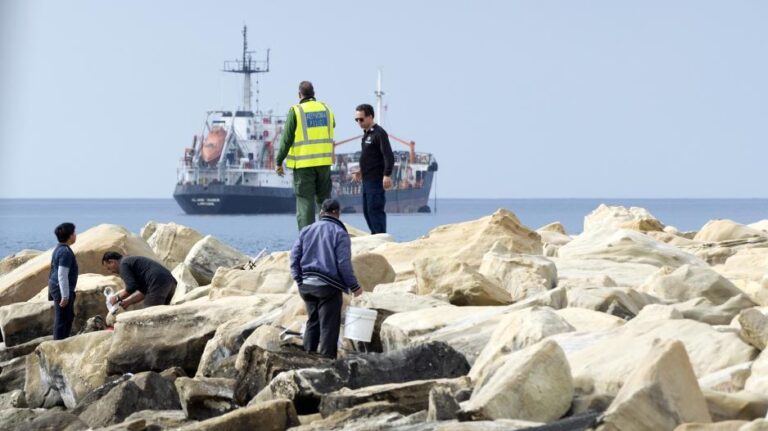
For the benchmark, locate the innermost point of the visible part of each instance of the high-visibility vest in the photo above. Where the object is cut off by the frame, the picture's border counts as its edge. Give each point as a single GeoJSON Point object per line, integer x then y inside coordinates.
{"type": "Point", "coordinates": [313, 139]}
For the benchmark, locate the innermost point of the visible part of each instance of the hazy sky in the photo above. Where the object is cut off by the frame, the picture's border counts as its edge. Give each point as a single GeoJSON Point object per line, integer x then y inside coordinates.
{"type": "Point", "coordinates": [516, 99]}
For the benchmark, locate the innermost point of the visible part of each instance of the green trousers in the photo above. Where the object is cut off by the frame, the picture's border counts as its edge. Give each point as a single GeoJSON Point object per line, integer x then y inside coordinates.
{"type": "Point", "coordinates": [311, 186]}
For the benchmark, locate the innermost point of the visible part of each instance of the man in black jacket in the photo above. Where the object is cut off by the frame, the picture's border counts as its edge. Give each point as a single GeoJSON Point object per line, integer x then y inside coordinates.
{"type": "Point", "coordinates": [145, 280]}
{"type": "Point", "coordinates": [376, 163]}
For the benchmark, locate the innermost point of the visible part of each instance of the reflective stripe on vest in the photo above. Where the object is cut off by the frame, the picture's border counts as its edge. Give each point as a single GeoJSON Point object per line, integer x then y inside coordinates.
{"type": "Point", "coordinates": [313, 139]}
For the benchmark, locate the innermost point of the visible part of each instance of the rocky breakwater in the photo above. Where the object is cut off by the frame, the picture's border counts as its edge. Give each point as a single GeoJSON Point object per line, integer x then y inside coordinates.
{"type": "Point", "coordinates": [482, 325]}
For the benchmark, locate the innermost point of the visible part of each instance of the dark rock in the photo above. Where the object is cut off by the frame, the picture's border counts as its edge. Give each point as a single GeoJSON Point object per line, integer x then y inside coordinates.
{"type": "Point", "coordinates": [433, 360]}
{"type": "Point", "coordinates": [369, 416]}
{"type": "Point", "coordinates": [411, 396]}
{"type": "Point", "coordinates": [37, 390]}
{"type": "Point", "coordinates": [578, 422]}
{"type": "Point", "coordinates": [13, 399]}
{"type": "Point", "coordinates": [8, 353]}
{"type": "Point", "coordinates": [162, 419]}
{"type": "Point", "coordinates": [143, 391]}
{"type": "Point", "coordinates": [99, 393]}
{"type": "Point", "coordinates": [277, 415]}
{"type": "Point", "coordinates": [258, 366]}
{"type": "Point", "coordinates": [95, 323]}
{"type": "Point", "coordinates": [206, 397]}
{"type": "Point", "coordinates": [28, 420]}
{"type": "Point", "coordinates": [13, 375]}
{"type": "Point", "coordinates": [171, 374]}
{"type": "Point", "coordinates": [442, 404]}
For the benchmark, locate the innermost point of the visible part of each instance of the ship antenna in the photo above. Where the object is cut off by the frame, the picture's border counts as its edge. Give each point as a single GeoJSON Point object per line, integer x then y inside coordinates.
{"type": "Point", "coordinates": [379, 96]}
{"type": "Point", "coordinates": [248, 66]}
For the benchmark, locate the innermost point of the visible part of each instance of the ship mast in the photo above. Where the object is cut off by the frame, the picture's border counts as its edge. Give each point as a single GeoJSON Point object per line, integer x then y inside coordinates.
{"type": "Point", "coordinates": [248, 66]}
{"type": "Point", "coordinates": [379, 98]}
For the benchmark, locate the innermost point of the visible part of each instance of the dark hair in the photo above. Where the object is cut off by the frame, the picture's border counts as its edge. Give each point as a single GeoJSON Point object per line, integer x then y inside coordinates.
{"type": "Point", "coordinates": [306, 89]}
{"type": "Point", "coordinates": [330, 206]}
{"type": "Point", "coordinates": [365, 109]}
{"type": "Point", "coordinates": [64, 231]}
{"type": "Point", "coordinates": [111, 255]}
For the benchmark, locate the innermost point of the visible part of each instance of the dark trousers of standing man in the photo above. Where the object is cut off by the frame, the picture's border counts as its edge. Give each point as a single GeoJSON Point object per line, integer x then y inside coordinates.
{"type": "Point", "coordinates": [311, 186]}
{"type": "Point", "coordinates": [374, 201]}
{"type": "Point", "coordinates": [323, 305]}
{"type": "Point", "coordinates": [63, 318]}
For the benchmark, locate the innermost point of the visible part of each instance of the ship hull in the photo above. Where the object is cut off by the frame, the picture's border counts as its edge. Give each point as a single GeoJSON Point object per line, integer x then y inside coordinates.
{"type": "Point", "coordinates": [239, 199]}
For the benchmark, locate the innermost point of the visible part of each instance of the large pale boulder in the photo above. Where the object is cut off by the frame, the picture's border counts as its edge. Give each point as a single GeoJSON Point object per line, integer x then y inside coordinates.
{"type": "Point", "coordinates": [619, 217]}
{"type": "Point", "coordinates": [660, 394]}
{"type": "Point", "coordinates": [623, 302]}
{"type": "Point", "coordinates": [583, 319]}
{"type": "Point", "coordinates": [726, 230]}
{"type": "Point", "coordinates": [760, 225]}
{"type": "Point", "coordinates": [625, 246]}
{"type": "Point", "coordinates": [516, 331]}
{"type": "Point", "coordinates": [75, 366]}
{"type": "Point", "coordinates": [372, 269]}
{"type": "Point", "coordinates": [9, 263]}
{"type": "Point", "coordinates": [556, 227]}
{"type": "Point", "coordinates": [466, 329]}
{"type": "Point", "coordinates": [532, 384]}
{"type": "Point", "coordinates": [208, 254]}
{"type": "Point", "coordinates": [171, 242]}
{"type": "Point", "coordinates": [366, 243]}
{"type": "Point", "coordinates": [748, 263]}
{"type": "Point", "coordinates": [688, 282]}
{"type": "Point", "coordinates": [161, 337]}
{"type": "Point", "coordinates": [26, 281]}
{"type": "Point", "coordinates": [601, 272]}
{"type": "Point", "coordinates": [758, 378]}
{"type": "Point", "coordinates": [459, 281]}
{"type": "Point", "coordinates": [602, 366]}
{"type": "Point", "coordinates": [704, 310]}
{"type": "Point", "coordinates": [467, 241]}
{"type": "Point", "coordinates": [754, 327]}
{"type": "Point", "coordinates": [522, 276]}
{"type": "Point", "coordinates": [185, 282]}
{"type": "Point", "coordinates": [241, 282]}
{"type": "Point", "coordinates": [743, 405]}
{"type": "Point", "coordinates": [731, 379]}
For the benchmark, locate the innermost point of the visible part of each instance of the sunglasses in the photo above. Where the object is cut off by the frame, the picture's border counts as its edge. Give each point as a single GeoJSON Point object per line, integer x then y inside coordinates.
{"type": "Point", "coordinates": [359, 120]}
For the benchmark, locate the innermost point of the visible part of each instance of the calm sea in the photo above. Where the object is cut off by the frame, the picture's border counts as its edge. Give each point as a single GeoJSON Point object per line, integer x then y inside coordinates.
{"type": "Point", "coordinates": [29, 223]}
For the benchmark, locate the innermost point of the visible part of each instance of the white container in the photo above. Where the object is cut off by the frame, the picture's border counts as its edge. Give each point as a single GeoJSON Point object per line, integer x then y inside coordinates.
{"type": "Point", "coordinates": [109, 293]}
{"type": "Point", "coordinates": [358, 324]}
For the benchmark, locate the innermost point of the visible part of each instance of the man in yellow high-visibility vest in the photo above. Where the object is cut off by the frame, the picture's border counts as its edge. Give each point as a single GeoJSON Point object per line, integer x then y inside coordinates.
{"type": "Point", "coordinates": [307, 148]}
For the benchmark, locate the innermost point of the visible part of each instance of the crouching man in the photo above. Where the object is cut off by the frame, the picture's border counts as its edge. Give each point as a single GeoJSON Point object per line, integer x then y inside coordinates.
{"type": "Point", "coordinates": [321, 265]}
{"type": "Point", "coordinates": [145, 280]}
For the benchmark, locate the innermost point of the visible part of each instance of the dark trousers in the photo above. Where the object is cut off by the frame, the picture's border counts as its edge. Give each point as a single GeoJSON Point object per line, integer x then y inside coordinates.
{"type": "Point", "coordinates": [374, 200]}
{"type": "Point", "coordinates": [63, 318]}
{"type": "Point", "coordinates": [311, 186]}
{"type": "Point", "coordinates": [323, 305]}
{"type": "Point", "coordinates": [160, 295]}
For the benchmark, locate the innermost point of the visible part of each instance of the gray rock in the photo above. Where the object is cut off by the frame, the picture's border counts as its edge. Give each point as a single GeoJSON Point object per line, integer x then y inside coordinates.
{"type": "Point", "coordinates": [9, 352]}
{"type": "Point", "coordinates": [442, 404]}
{"type": "Point", "coordinates": [143, 391]}
{"type": "Point", "coordinates": [370, 416]}
{"type": "Point", "coordinates": [205, 397]}
{"type": "Point", "coordinates": [277, 415]}
{"type": "Point", "coordinates": [305, 387]}
{"type": "Point", "coordinates": [25, 321]}
{"type": "Point", "coordinates": [12, 399]}
{"type": "Point", "coordinates": [18, 419]}
{"type": "Point", "coordinates": [13, 374]}
{"type": "Point", "coordinates": [164, 419]}
{"type": "Point", "coordinates": [257, 366]}
{"type": "Point", "coordinates": [411, 396]}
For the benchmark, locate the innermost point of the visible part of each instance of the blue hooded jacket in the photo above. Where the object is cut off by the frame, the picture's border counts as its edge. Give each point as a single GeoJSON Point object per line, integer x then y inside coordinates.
{"type": "Point", "coordinates": [324, 251]}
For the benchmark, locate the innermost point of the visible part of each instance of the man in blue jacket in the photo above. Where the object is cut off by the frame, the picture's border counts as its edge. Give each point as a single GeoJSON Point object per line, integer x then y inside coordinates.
{"type": "Point", "coordinates": [62, 281]}
{"type": "Point", "coordinates": [321, 265]}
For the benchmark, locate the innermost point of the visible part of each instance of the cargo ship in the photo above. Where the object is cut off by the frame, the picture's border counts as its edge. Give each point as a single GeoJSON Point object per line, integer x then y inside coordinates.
{"type": "Point", "coordinates": [230, 166]}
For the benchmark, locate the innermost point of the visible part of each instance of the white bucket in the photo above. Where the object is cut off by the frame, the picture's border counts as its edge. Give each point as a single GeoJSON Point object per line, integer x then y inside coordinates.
{"type": "Point", "coordinates": [358, 324]}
